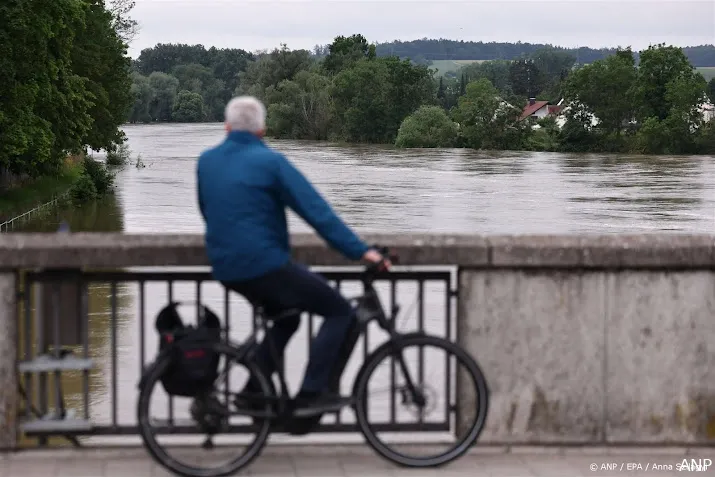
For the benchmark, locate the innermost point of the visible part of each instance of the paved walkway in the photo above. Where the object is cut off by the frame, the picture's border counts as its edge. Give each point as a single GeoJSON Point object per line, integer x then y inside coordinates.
{"type": "Point", "coordinates": [359, 461]}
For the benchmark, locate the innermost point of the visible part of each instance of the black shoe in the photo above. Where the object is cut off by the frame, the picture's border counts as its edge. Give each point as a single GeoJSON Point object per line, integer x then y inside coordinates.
{"type": "Point", "coordinates": [308, 404]}
{"type": "Point", "coordinates": [308, 410]}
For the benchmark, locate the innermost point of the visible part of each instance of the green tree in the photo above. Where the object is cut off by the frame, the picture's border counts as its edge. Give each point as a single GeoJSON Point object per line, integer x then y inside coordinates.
{"type": "Point", "coordinates": [409, 87]}
{"type": "Point", "coordinates": [669, 92]}
{"type": "Point", "coordinates": [188, 107]}
{"type": "Point", "coordinates": [577, 135]}
{"type": "Point", "coordinates": [711, 90]}
{"type": "Point", "coordinates": [361, 96]}
{"type": "Point", "coordinates": [373, 97]}
{"type": "Point", "coordinates": [99, 57]}
{"type": "Point", "coordinates": [525, 78]}
{"type": "Point", "coordinates": [126, 27]}
{"type": "Point", "coordinates": [165, 89]}
{"type": "Point", "coordinates": [344, 52]}
{"type": "Point", "coordinates": [226, 64]}
{"type": "Point", "coordinates": [605, 89]}
{"type": "Point", "coordinates": [200, 79]}
{"type": "Point", "coordinates": [429, 126]}
{"type": "Point", "coordinates": [44, 106]}
{"type": "Point", "coordinates": [143, 94]}
{"type": "Point", "coordinates": [301, 108]}
{"type": "Point", "coordinates": [486, 121]}
{"type": "Point", "coordinates": [659, 66]}
{"type": "Point", "coordinates": [496, 71]}
{"type": "Point", "coordinates": [269, 70]}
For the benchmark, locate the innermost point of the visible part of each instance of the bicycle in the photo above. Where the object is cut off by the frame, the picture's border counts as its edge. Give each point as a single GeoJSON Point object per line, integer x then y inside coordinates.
{"type": "Point", "coordinates": [270, 407]}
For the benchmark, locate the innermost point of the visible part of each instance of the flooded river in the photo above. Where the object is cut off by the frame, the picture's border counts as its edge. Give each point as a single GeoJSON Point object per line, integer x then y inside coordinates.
{"type": "Point", "coordinates": [376, 189]}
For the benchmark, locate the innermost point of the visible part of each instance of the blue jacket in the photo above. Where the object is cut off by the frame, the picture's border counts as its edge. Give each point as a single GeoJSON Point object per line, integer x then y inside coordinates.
{"type": "Point", "coordinates": [243, 189]}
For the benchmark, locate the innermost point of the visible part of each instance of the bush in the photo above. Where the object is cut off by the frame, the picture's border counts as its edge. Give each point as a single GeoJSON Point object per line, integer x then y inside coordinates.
{"type": "Point", "coordinates": [429, 126]}
{"type": "Point", "coordinates": [83, 190]}
{"type": "Point", "coordinates": [119, 156]}
{"type": "Point", "coordinates": [94, 182]}
{"type": "Point", "coordinates": [98, 173]}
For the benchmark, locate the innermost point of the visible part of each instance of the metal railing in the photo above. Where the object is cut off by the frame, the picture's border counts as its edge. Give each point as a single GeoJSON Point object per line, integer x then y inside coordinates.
{"type": "Point", "coordinates": [10, 224]}
{"type": "Point", "coordinates": [86, 337]}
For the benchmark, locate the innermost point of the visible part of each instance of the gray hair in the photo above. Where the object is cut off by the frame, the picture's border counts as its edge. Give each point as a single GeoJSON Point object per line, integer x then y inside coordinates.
{"type": "Point", "coordinates": [245, 113]}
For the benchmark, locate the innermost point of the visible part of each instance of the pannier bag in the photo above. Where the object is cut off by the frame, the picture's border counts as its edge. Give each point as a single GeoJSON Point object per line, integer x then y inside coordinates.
{"type": "Point", "coordinates": [194, 362]}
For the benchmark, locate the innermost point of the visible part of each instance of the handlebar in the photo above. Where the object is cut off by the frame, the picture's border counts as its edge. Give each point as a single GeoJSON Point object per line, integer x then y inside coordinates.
{"type": "Point", "coordinates": [380, 266]}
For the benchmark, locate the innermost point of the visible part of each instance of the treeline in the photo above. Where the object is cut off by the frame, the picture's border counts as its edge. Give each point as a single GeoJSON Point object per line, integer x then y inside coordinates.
{"type": "Point", "coordinates": [352, 94]}
{"type": "Point", "coordinates": [65, 79]}
{"type": "Point", "coordinates": [188, 83]}
{"type": "Point", "coordinates": [185, 83]}
{"type": "Point", "coordinates": [441, 49]}
{"type": "Point", "coordinates": [611, 105]}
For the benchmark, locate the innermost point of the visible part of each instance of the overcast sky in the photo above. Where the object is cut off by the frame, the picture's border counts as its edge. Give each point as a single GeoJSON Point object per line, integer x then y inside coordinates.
{"type": "Point", "coordinates": [264, 24]}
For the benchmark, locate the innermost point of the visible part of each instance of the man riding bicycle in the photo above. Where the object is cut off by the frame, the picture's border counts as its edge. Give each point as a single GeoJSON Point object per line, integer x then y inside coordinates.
{"type": "Point", "coordinates": [244, 187]}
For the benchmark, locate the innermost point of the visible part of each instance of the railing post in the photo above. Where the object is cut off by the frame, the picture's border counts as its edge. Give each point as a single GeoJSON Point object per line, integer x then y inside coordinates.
{"type": "Point", "coordinates": [8, 360]}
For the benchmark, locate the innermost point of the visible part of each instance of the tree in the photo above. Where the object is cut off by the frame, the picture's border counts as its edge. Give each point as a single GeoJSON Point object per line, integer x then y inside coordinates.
{"type": "Point", "coordinates": [200, 79]}
{"type": "Point", "coordinates": [525, 78]}
{"type": "Point", "coordinates": [409, 87]}
{"type": "Point", "coordinates": [143, 94]}
{"type": "Point", "coordinates": [488, 122]}
{"type": "Point", "coordinates": [226, 64]}
{"type": "Point", "coordinates": [100, 57]}
{"type": "Point", "coordinates": [429, 126]}
{"type": "Point", "coordinates": [188, 107]}
{"type": "Point", "coordinates": [361, 96]}
{"type": "Point", "coordinates": [126, 27]}
{"type": "Point", "coordinates": [555, 66]}
{"type": "Point", "coordinates": [711, 90]}
{"type": "Point", "coordinates": [165, 89]}
{"type": "Point", "coordinates": [346, 51]}
{"type": "Point", "coordinates": [301, 108]}
{"type": "Point", "coordinates": [496, 71]}
{"type": "Point", "coordinates": [669, 92]}
{"type": "Point", "coordinates": [44, 106]}
{"type": "Point", "coordinates": [270, 69]}
{"type": "Point", "coordinates": [373, 97]}
{"type": "Point", "coordinates": [605, 89]}
{"type": "Point", "coordinates": [659, 66]}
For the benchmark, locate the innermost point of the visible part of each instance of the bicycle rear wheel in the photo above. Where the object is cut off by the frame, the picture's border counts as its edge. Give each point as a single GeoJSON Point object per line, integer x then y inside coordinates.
{"type": "Point", "coordinates": [460, 432]}
{"type": "Point", "coordinates": [206, 415]}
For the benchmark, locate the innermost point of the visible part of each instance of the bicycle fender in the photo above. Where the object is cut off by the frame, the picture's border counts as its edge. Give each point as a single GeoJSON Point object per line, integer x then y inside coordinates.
{"type": "Point", "coordinates": [380, 349]}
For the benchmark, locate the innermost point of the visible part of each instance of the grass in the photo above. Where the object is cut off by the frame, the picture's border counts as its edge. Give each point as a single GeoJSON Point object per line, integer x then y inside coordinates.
{"type": "Point", "coordinates": [24, 197]}
{"type": "Point", "coordinates": [708, 72]}
{"type": "Point", "coordinates": [446, 66]}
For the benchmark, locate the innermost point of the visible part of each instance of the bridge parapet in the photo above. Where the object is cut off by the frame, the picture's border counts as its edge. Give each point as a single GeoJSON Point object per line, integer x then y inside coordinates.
{"type": "Point", "coordinates": [583, 339]}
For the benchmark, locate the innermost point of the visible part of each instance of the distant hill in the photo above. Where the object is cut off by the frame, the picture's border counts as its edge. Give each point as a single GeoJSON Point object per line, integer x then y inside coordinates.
{"type": "Point", "coordinates": [434, 51]}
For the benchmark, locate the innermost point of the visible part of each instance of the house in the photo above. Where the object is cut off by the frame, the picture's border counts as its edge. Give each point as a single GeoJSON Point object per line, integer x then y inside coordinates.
{"type": "Point", "coordinates": [708, 111]}
{"type": "Point", "coordinates": [540, 109]}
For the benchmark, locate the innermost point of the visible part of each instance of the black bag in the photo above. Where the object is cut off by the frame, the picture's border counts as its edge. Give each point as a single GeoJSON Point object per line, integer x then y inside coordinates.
{"type": "Point", "coordinates": [194, 362]}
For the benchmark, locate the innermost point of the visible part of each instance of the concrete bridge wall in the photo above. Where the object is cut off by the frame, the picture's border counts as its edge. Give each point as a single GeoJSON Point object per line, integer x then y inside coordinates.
{"type": "Point", "coordinates": [583, 339]}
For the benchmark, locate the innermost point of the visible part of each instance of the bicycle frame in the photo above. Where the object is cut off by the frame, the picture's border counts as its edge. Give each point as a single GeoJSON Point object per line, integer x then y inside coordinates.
{"type": "Point", "coordinates": [368, 307]}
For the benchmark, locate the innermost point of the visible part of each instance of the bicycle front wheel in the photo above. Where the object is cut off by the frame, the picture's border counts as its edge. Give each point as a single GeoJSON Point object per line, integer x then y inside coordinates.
{"type": "Point", "coordinates": [439, 381]}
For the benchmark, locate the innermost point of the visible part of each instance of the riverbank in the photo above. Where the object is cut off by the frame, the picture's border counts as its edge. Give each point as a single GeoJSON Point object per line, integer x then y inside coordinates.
{"type": "Point", "coordinates": [29, 194]}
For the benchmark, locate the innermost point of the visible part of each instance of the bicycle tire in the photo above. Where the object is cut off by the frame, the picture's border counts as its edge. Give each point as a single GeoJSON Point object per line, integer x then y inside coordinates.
{"type": "Point", "coordinates": [457, 450]}
{"type": "Point", "coordinates": [160, 456]}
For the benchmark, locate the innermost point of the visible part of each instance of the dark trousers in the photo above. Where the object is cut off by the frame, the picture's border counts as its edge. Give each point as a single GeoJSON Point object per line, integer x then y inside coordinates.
{"type": "Point", "coordinates": [294, 286]}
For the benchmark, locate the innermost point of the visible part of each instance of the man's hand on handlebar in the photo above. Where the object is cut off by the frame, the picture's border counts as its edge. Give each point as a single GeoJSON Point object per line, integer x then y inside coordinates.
{"type": "Point", "coordinates": [377, 260]}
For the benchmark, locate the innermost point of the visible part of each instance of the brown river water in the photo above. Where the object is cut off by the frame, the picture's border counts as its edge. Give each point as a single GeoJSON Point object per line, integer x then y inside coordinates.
{"type": "Point", "coordinates": [376, 189]}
